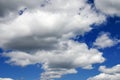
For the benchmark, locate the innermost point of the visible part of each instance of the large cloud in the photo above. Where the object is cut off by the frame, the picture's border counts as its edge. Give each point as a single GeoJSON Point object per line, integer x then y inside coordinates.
{"type": "Point", "coordinates": [109, 7]}
{"type": "Point", "coordinates": [42, 33]}
{"type": "Point", "coordinates": [69, 56]}
{"type": "Point", "coordinates": [44, 28]}
{"type": "Point", "coordinates": [108, 73]}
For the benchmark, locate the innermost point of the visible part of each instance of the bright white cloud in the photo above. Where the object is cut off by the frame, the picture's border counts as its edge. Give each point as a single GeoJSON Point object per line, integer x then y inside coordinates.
{"type": "Point", "coordinates": [65, 60]}
{"type": "Point", "coordinates": [108, 73]}
{"type": "Point", "coordinates": [104, 41]}
{"type": "Point", "coordinates": [109, 7]}
{"type": "Point", "coordinates": [6, 79]}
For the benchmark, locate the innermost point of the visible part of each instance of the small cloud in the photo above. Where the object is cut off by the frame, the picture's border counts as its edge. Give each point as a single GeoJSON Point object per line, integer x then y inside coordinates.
{"type": "Point", "coordinates": [6, 79]}
{"type": "Point", "coordinates": [104, 41]}
{"type": "Point", "coordinates": [107, 73]}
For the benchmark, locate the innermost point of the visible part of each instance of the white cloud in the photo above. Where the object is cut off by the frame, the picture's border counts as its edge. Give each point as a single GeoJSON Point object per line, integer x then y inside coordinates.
{"type": "Point", "coordinates": [109, 7]}
{"type": "Point", "coordinates": [108, 73]}
{"type": "Point", "coordinates": [69, 56]}
{"type": "Point", "coordinates": [104, 41]}
{"type": "Point", "coordinates": [6, 79]}
{"type": "Point", "coordinates": [104, 76]}
{"type": "Point", "coordinates": [115, 69]}
{"type": "Point", "coordinates": [44, 33]}
{"type": "Point", "coordinates": [43, 28]}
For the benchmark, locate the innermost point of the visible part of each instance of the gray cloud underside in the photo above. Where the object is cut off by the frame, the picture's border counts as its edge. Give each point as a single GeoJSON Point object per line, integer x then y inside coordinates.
{"type": "Point", "coordinates": [69, 56]}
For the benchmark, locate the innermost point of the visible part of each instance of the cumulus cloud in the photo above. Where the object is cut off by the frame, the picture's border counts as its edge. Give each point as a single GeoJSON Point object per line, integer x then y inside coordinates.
{"type": "Point", "coordinates": [104, 41]}
{"type": "Point", "coordinates": [115, 69]}
{"type": "Point", "coordinates": [108, 73]}
{"type": "Point", "coordinates": [65, 60]}
{"type": "Point", "coordinates": [6, 79]}
{"type": "Point", "coordinates": [109, 7]}
{"type": "Point", "coordinates": [41, 35]}
{"type": "Point", "coordinates": [44, 28]}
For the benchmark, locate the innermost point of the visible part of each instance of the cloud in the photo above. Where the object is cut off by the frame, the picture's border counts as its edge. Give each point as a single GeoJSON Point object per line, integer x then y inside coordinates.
{"type": "Point", "coordinates": [69, 56]}
{"type": "Point", "coordinates": [42, 35]}
{"type": "Point", "coordinates": [7, 7]}
{"type": "Point", "coordinates": [104, 41]}
{"type": "Point", "coordinates": [6, 79]}
{"type": "Point", "coordinates": [115, 69]}
{"type": "Point", "coordinates": [109, 7]}
{"type": "Point", "coordinates": [108, 73]}
{"type": "Point", "coordinates": [9, 11]}
{"type": "Point", "coordinates": [43, 28]}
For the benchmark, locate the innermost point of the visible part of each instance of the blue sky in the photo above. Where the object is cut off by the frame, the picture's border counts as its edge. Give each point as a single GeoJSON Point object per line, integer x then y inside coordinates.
{"type": "Point", "coordinates": [38, 44]}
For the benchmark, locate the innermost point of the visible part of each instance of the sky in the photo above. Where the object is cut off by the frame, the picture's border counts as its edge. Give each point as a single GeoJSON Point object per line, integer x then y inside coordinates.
{"type": "Point", "coordinates": [60, 40]}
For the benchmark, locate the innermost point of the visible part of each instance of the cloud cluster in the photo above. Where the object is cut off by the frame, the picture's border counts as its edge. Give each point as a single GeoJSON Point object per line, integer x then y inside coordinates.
{"type": "Point", "coordinates": [6, 79]}
{"type": "Point", "coordinates": [109, 7]}
{"type": "Point", "coordinates": [108, 73]}
{"type": "Point", "coordinates": [42, 35]}
{"type": "Point", "coordinates": [65, 60]}
{"type": "Point", "coordinates": [104, 41]}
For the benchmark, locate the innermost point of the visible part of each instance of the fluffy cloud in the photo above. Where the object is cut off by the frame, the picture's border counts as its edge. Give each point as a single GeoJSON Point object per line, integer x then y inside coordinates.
{"type": "Point", "coordinates": [43, 28]}
{"type": "Point", "coordinates": [108, 73]}
{"type": "Point", "coordinates": [104, 41]}
{"type": "Point", "coordinates": [109, 7]}
{"type": "Point", "coordinates": [65, 60]}
{"type": "Point", "coordinates": [115, 69]}
{"type": "Point", "coordinates": [41, 35]}
{"type": "Point", "coordinates": [6, 79]}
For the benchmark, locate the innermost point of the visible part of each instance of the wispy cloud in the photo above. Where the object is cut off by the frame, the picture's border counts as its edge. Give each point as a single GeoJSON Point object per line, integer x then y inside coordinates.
{"type": "Point", "coordinates": [6, 79]}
